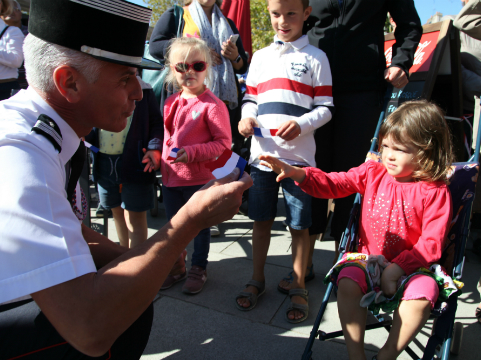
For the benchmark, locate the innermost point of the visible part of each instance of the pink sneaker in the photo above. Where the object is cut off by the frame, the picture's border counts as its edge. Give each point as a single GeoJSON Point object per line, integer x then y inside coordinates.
{"type": "Point", "coordinates": [195, 280]}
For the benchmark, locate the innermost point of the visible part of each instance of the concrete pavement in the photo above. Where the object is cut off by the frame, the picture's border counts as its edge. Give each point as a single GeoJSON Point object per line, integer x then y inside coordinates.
{"type": "Point", "coordinates": [209, 326]}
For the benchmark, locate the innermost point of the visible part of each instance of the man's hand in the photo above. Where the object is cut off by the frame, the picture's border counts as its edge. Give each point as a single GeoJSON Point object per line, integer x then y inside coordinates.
{"type": "Point", "coordinates": [151, 160]}
{"type": "Point", "coordinates": [289, 130]}
{"type": "Point", "coordinates": [246, 126]}
{"type": "Point", "coordinates": [396, 76]}
{"type": "Point", "coordinates": [389, 279]}
{"type": "Point", "coordinates": [182, 157]}
{"type": "Point", "coordinates": [217, 201]}
{"type": "Point", "coordinates": [284, 170]}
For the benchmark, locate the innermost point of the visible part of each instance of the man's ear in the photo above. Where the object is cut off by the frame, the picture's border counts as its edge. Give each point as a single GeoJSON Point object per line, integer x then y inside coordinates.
{"type": "Point", "coordinates": [66, 80]}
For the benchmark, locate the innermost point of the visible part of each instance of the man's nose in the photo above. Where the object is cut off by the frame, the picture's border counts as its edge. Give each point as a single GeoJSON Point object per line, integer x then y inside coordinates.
{"type": "Point", "coordinates": [137, 93]}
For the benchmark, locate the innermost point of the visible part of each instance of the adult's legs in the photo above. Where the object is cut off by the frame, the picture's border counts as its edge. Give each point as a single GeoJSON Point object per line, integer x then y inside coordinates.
{"type": "Point", "coordinates": [24, 329]}
{"type": "Point", "coordinates": [355, 121]}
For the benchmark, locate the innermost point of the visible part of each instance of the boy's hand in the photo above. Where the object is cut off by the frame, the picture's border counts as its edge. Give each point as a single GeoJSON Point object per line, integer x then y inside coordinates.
{"type": "Point", "coordinates": [389, 279]}
{"type": "Point", "coordinates": [289, 130]}
{"type": "Point", "coordinates": [246, 126]}
{"type": "Point", "coordinates": [151, 159]}
{"type": "Point", "coordinates": [284, 170]}
{"type": "Point", "coordinates": [181, 157]}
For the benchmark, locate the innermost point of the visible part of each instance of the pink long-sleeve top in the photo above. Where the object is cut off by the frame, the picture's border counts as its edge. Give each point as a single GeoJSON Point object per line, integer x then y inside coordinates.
{"type": "Point", "coordinates": [407, 222]}
{"type": "Point", "coordinates": [199, 125]}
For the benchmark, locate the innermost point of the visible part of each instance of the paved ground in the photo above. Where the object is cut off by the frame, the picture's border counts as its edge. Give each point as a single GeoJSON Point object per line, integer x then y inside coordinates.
{"type": "Point", "coordinates": [209, 326]}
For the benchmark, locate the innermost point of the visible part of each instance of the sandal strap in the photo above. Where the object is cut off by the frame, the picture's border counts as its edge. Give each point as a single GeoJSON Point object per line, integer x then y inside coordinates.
{"type": "Point", "coordinates": [303, 293]}
{"type": "Point", "coordinates": [248, 295]}
{"type": "Point", "coordinates": [302, 307]}
{"type": "Point", "coordinates": [258, 284]}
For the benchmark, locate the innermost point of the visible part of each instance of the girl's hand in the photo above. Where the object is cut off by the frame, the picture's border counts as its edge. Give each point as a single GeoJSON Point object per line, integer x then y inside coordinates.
{"type": "Point", "coordinates": [216, 59]}
{"type": "Point", "coordinates": [229, 50]}
{"type": "Point", "coordinates": [246, 126]}
{"type": "Point", "coordinates": [284, 170]}
{"type": "Point", "coordinates": [181, 157]}
{"type": "Point", "coordinates": [289, 130]}
{"type": "Point", "coordinates": [151, 159]}
{"type": "Point", "coordinates": [389, 278]}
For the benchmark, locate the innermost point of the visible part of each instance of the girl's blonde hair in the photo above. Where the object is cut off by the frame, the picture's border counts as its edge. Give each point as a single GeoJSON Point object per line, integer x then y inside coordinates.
{"type": "Point", "coordinates": [7, 7]}
{"type": "Point", "coordinates": [423, 125]}
{"type": "Point", "coordinates": [184, 46]}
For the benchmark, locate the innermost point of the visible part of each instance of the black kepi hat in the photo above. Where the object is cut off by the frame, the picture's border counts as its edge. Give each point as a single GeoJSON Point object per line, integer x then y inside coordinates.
{"type": "Point", "coordinates": [109, 30]}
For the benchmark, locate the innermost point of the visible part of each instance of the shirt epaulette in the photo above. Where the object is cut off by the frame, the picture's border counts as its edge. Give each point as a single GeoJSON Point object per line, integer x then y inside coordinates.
{"type": "Point", "coordinates": [48, 128]}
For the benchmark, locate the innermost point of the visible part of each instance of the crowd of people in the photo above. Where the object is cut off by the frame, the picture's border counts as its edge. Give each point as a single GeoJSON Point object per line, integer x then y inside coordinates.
{"type": "Point", "coordinates": [305, 98]}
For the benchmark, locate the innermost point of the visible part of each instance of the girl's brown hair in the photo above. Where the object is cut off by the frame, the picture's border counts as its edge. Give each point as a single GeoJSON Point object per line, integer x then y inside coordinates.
{"type": "Point", "coordinates": [184, 46]}
{"type": "Point", "coordinates": [422, 124]}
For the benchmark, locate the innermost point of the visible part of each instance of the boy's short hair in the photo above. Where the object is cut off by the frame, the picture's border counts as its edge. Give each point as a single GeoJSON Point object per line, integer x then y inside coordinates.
{"type": "Point", "coordinates": [305, 3]}
{"type": "Point", "coordinates": [423, 125]}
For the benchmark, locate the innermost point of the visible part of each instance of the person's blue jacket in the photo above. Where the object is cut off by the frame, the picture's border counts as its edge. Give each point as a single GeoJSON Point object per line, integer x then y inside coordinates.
{"type": "Point", "coordinates": [146, 131]}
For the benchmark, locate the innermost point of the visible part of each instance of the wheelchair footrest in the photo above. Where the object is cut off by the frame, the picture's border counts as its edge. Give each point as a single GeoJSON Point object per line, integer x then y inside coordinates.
{"type": "Point", "coordinates": [326, 336]}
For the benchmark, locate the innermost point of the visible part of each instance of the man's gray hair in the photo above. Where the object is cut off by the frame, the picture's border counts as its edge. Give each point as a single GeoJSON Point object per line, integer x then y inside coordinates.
{"type": "Point", "coordinates": [42, 58]}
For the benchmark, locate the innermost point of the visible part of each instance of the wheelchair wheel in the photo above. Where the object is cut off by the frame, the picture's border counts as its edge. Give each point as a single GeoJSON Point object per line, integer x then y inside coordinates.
{"type": "Point", "coordinates": [457, 338]}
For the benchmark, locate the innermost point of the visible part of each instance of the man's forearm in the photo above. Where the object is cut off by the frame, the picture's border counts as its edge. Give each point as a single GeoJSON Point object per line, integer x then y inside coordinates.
{"type": "Point", "coordinates": [91, 311]}
{"type": "Point", "coordinates": [117, 295]}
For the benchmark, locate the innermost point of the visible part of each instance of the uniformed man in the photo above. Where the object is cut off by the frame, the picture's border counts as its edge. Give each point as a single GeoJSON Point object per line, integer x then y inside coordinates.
{"type": "Point", "coordinates": [81, 59]}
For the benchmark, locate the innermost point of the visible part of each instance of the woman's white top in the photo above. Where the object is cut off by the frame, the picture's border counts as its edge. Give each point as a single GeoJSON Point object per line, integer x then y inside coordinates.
{"type": "Point", "coordinates": [11, 51]}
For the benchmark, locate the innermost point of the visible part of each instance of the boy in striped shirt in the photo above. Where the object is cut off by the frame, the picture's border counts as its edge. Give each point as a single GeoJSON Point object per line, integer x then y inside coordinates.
{"type": "Point", "coordinates": [289, 94]}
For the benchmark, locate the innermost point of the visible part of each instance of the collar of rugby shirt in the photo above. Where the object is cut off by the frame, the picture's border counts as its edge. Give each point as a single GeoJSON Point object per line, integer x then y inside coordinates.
{"type": "Point", "coordinates": [297, 45]}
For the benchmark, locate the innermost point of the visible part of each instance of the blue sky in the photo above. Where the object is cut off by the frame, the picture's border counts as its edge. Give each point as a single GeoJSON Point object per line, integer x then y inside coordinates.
{"type": "Point", "coordinates": [425, 8]}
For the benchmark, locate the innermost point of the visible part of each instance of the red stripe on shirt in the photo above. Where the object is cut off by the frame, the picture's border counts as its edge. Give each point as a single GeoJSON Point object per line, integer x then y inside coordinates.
{"type": "Point", "coordinates": [251, 90]}
{"type": "Point", "coordinates": [285, 84]}
{"type": "Point", "coordinates": [323, 90]}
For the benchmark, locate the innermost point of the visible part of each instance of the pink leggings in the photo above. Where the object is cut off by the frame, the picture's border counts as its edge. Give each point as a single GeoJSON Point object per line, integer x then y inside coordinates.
{"type": "Point", "coordinates": [418, 287]}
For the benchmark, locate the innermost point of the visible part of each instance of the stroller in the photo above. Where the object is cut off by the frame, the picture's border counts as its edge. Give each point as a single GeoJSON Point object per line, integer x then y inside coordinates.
{"type": "Point", "coordinates": [446, 335]}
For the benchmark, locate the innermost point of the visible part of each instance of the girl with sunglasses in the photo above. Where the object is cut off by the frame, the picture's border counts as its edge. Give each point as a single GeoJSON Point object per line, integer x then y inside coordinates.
{"type": "Point", "coordinates": [197, 130]}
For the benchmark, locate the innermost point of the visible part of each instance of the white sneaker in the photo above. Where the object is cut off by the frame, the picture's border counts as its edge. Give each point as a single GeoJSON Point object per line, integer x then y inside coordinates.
{"type": "Point", "coordinates": [214, 231]}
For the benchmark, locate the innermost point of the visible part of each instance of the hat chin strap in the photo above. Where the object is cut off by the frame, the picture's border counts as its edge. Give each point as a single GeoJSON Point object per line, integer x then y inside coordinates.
{"type": "Point", "coordinates": [110, 55]}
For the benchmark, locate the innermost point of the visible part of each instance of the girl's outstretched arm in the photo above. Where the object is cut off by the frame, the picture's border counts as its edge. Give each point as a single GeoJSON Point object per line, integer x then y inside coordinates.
{"type": "Point", "coordinates": [284, 170]}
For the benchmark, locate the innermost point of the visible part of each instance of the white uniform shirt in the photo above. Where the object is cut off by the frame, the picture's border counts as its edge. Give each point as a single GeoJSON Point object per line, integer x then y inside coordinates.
{"type": "Point", "coordinates": [11, 51]}
{"type": "Point", "coordinates": [288, 82]}
{"type": "Point", "coordinates": [41, 242]}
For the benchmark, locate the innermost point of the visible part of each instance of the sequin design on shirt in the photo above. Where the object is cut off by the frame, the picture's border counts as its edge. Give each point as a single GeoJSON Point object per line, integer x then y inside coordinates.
{"type": "Point", "coordinates": [389, 219]}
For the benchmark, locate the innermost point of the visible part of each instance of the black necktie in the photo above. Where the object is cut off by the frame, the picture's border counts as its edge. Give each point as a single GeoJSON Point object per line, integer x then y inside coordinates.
{"type": "Point", "coordinates": [76, 165]}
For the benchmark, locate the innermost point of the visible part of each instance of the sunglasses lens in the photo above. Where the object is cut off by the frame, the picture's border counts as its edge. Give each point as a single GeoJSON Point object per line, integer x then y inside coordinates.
{"type": "Point", "coordinates": [199, 66]}
{"type": "Point", "coordinates": [181, 67]}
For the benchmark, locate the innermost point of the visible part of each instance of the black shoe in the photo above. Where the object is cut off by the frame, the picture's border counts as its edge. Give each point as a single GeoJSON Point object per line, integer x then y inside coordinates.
{"type": "Point", "coordinates": [101, 212]}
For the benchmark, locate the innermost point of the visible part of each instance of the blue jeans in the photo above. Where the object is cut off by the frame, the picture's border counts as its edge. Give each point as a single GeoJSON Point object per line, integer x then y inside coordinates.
{"type": "Point", "coordinates": [176, 197]}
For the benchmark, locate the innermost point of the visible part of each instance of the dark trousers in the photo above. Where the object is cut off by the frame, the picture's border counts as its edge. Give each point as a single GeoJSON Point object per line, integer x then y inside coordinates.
{"type": "Point", "coordinates": [341, 145]}
{"type": "Point", "coordinates": [26, 334]}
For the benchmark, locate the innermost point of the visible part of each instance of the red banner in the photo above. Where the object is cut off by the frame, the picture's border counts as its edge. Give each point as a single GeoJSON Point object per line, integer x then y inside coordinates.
{"type": "Point", "coordinates": [239, 12]}
{"type": "Point", "coordinates": [424, 52]}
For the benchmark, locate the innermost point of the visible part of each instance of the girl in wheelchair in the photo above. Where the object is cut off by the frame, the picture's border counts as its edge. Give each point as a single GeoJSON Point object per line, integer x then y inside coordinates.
{"type": "Point", "coordinates": [405, 216]}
